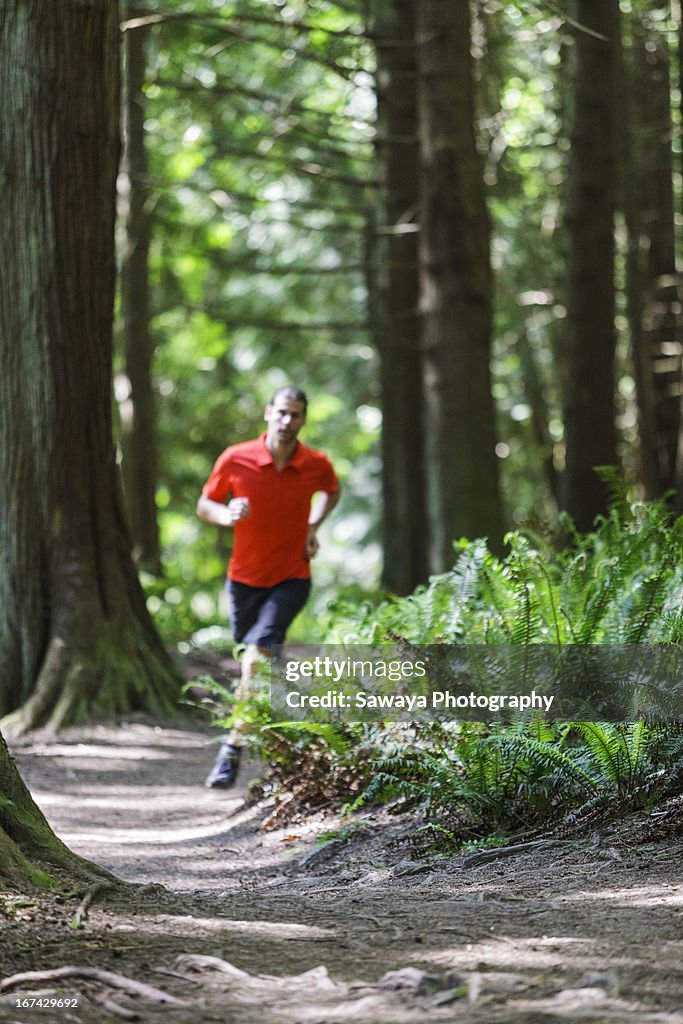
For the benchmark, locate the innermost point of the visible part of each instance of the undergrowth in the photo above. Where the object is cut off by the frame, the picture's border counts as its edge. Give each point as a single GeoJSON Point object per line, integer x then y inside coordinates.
{"type": "Point", "coordinates": [620, 584]}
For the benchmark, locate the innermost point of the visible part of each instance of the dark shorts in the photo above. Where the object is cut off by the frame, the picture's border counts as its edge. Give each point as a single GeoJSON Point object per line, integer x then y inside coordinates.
{"type": "Point", "coordinates": [262, 615]}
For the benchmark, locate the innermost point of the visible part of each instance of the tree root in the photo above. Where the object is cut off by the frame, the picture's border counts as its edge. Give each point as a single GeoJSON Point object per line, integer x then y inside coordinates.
{"type": "Point", "coordinates": [82, 913]}
{"type": "Point", "coordinates": [109, 978]}
{"type": "Point", "coordinates": [477, 857]}
{"type": "Point", "coordinates": [116, 1010]}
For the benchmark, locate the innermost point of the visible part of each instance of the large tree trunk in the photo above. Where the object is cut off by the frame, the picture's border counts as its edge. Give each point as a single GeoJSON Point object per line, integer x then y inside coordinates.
{"type": "Point", "coordinates": [75, 636]}
{"type": "Point", "coordinates": [28, 846]}
{"type": "Point", "coordinates": [137, 407]}
{"type": "Point", "coordinates": [398, 325]}
{"type": "Point", "coordinates": [589, 409]}
{"type": "Point", "coordinates": [456, 290]}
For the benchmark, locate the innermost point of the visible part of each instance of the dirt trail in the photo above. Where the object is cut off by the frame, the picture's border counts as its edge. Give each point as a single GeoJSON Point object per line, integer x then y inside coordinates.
{"type": "Point", "coordinates": [306, 931]}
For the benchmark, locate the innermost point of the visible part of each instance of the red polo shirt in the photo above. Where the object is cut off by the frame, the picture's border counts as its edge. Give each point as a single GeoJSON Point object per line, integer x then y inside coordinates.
{"type": "Point", "coordinates": [269, 546]}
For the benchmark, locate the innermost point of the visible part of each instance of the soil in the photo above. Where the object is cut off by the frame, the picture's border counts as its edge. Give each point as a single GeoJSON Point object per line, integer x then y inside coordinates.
{"type": "Point", "coordinates": [327, 920]}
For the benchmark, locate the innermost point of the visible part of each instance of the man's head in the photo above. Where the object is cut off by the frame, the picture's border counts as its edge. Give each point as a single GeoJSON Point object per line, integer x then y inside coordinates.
{"type": "Point", "coordinates": [289, 391]}
{"type": "Point", "coordinates": [285, 415]}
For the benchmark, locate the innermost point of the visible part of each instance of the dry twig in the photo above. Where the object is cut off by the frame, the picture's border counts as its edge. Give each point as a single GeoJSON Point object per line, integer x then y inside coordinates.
{"type": "Point", "coordinates": [82, 912]}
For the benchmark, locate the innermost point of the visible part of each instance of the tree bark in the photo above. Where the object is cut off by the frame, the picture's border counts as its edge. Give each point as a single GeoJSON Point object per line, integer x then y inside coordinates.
{"type": "Point", "coordinates": [397, 328]}
{"type": "Point", "coordinates": [631, 183]}
{"type": "Point", "coordinates": [679, 455]}
{"type": "Point", "coordinates": [534, 392]}
{"type": "Point", "coordinates": [589, 408]}
{"type": "Point", "coordinates": [28, 845]}
{"type": "Point", "coordinates": [456, 290]}
{"type": "Point", "coordinates": [651, 269]}
{"type": "Point", "coordinates": [137, 409]}
{"type": "Point", "coordinates": [75, 635]}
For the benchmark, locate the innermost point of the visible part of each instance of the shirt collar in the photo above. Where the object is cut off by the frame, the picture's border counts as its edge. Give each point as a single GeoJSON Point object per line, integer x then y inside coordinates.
{"type": "Point", "coordinates": [264, 457]}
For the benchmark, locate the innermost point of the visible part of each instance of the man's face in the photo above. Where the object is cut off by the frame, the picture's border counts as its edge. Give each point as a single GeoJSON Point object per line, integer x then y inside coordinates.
{"type": "Point", "coordinates": [285, 418]}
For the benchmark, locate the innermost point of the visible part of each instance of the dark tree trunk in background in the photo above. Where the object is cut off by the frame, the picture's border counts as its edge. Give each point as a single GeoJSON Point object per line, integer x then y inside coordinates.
{"type": "Point", "coordinates": [589, 408]}
{"type": "Point", "coordinates": [679, 168]}
{"type": "Point", "coordinates": [137, 407]}
{"type": "Point", "coordinates": [540, 414]}
{"type": "Point", "coordinates": [631, 184]}
{"type": "Point", "coordinates": [456, 290]}
{"type": "Point", "coordinates": [75, 636]}
{"type": "Point", "coordinates": [397, 322]}
{"type": "Point", "coordinates": [652, 277]}
{"type": "Point", "coordinates": [661, 293]}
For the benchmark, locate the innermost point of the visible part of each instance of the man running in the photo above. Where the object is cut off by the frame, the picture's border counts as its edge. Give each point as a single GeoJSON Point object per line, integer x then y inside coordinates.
{"type": "Point", "coordinates": [269, 482]}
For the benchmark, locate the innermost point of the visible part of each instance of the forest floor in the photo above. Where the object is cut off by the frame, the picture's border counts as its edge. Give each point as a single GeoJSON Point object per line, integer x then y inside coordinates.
{"type": "Point", "coordinates": [327, 921]}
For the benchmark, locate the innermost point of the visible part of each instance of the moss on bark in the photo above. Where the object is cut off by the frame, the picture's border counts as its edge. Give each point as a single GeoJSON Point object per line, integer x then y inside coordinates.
{"type": "Point", "coordinates": [29, 849]}
{"type": "Point", "coordinates": [75, 636]}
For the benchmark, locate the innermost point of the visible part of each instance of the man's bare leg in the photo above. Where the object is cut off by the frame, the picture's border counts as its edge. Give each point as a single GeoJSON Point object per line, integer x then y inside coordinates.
{"type": "Point", "coordinates": [253, 656]}
{"type": "Point", "coordinates": [226, 767]}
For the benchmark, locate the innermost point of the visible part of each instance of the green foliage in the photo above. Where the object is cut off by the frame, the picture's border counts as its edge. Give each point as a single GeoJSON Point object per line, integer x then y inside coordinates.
{"type": "Point", "coordinates": [480, 779]}
{"type": "Point", "coordinates": [311, 764]}
{"type": "Point", "coordinates": [42, 880]}
{"type": "Point", "coordinates": [623, 756]}
{"type": "Point", "coordinates": [185, 613]}
{"type": "Point", "coordinates": [260, 133]}
{"type": "Point", "coordinates": [259, 139]}
{"type": "Point", "coordinates": [620, 584]}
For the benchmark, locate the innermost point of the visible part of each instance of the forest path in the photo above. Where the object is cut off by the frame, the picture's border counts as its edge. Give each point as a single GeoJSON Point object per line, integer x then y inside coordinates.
{"type": "Point", "coordinates": [571, 931]}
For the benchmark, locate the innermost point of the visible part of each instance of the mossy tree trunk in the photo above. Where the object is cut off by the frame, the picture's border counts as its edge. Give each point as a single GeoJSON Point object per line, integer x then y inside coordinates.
{"type": "Point", "coordinates": [137, 409]}
{"type": "Point", "coordinates": [29, 849]}
{"type": "Point", "coordinates": [75, 636]}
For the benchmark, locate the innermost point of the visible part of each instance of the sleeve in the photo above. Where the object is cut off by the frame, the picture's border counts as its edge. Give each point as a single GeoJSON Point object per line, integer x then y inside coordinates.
{"type": "Point", "coordinates": [219, 484]}
{"type": "Point", "coordinates": [328, 480]}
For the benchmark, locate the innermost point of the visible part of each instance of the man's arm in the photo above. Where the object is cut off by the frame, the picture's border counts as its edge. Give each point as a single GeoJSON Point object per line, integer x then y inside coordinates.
{"type": "Point", "coordinates": [218, 514]}
{"type": "Point", "coordinates": [323, 503]}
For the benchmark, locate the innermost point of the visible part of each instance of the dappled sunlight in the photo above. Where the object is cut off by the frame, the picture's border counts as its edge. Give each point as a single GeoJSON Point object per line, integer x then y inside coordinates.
{"type": "Point", "coordinates": [160, 834]}
{"type": "Point", "coordinates": [510, 953]}
{"type": "Point", "coordinates": [638, 896]}
{"type": "Point", "coordinates": [551, 953]}
{"type": "Point", "coordinates": [458, 226]}
{"type": "Point", "coordinates": [278, 930]}
{"type": "Point", "coordinates": [324, 893]}
{"type": "Point", "coordinates": [182, 800]}
{"type": "Point", "coordinates": [109, 753]}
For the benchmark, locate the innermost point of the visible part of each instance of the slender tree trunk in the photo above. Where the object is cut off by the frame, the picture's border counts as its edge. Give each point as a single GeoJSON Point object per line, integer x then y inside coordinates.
{"type": "Point", "coordinates": [540, 414]}
{"type": "Point", "coordinates": [679, 455]}
{"type": "Point", "coordinates": [137, 410]}
{"type": "Point", "coordinates": [398, 324]}
{"type": "Point", "coordinates": [75, 636]}
{"type": "Point", "coordinates": [456, 290]}
{"type": "Point", "coordinates": [631, 184]}
{"type": "Point", "coordinates": [652, 277]}
{"type": "Point", "coordinates": [661, 299]}
{"type": "Point", "coordinates": [589, 409]}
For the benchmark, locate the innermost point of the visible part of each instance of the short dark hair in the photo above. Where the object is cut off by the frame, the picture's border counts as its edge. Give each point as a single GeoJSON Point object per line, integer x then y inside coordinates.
{"type": "Point", "coordinates": [295, 394]}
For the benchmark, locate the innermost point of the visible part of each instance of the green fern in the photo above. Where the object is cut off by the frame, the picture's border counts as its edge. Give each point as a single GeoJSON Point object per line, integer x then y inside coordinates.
{"type": "Point", "coordinates": [619, 751]}
{"type": "Point", "coordinates": [620, 584]}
